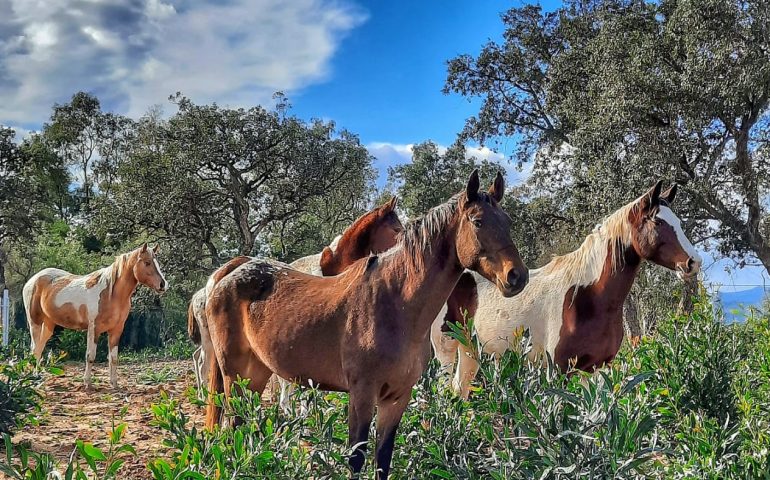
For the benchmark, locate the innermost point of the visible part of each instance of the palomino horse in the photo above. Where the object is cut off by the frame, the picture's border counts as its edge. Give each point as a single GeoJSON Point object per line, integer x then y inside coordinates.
{"type": "Point", "coordinates": [98, 302]}
{"type": "Point", "coordinates": [372, 232]}
{"type": "Point", "coordinates": [573, 306]}
{"type": "Point", "coordinates": [366, 330]}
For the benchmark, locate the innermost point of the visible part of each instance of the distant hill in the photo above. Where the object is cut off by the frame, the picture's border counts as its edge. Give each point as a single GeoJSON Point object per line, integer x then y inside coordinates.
{"type": "Point", "coordinates": [735, 304]}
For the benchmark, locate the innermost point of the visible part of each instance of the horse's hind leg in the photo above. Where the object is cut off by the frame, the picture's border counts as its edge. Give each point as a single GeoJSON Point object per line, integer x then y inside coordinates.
{"type": "Point", "coordinates": [444, 346]}
{"type": "Point", "coordinates": [40, 335]}
{"type": "Point", "coordinates": [197, 368]}
{"type": "Point", "coordinates": [246, 366]}
{"type": "Point", "coordinates": [467, 366]}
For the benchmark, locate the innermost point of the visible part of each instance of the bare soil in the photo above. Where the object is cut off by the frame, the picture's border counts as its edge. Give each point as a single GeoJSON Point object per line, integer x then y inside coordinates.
{"type": "Point", "coordinates": [71, 413]}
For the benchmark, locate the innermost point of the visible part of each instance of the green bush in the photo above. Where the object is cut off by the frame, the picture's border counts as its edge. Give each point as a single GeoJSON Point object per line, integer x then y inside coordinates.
{"type": "Point", "coordinates": [693, 401]}
{"type": "Point", "coordinates": [20, 400]}
{"type": "Point", "coordinates": [87, 462]}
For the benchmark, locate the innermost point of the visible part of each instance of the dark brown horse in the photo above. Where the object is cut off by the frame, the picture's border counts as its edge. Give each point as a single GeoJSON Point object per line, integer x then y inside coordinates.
{"type": "Point", "coordinates": [365, 331]}
{"type": "Point", "coordinates": [373, 232]}
{"type": "Point", "coordinates": [573, 306]}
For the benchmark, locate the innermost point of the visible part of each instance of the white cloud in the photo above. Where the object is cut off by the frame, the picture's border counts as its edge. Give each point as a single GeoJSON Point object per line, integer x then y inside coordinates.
{"type": "Point", "coordinates": [135, 53]}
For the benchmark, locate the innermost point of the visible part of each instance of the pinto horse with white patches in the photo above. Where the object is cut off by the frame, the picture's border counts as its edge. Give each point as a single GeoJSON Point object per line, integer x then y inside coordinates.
{"type": "Point", "coordinates": [98, 302]}
{"type": "Point", "coordinates": [365, 331]}
{"type": "Point", "coordinates": [372, 232]}
{"type": "Point", "coordinates": [573, 306]}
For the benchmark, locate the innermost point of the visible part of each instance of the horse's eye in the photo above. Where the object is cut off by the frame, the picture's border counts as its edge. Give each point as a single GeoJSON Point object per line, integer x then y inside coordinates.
{"type": "Point", "coordinates": [476, 222]}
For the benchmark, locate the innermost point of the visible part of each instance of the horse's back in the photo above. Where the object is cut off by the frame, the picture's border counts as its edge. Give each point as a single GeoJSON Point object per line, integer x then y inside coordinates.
{"type": "Point", "coordinates": [279, 311]}
{"type": "Point", "coordinates": [310, 264]}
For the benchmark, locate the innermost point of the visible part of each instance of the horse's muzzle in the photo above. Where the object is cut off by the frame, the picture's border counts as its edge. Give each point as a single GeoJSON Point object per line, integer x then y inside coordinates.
{"type": "Point", "coordinates": [514, 283]}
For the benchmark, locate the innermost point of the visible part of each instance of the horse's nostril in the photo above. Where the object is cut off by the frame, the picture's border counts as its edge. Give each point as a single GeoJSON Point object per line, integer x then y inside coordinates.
{"type": "Point", "coordinates": [513, 277]}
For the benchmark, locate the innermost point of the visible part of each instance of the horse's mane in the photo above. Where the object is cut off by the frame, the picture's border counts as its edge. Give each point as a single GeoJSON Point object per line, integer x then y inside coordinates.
{"type": "Point", "coordinates": [584, 266]}
{"type": "Point", "coordinates": [118, 267]}
{"type": "Point", "coordinates": [417, 237]}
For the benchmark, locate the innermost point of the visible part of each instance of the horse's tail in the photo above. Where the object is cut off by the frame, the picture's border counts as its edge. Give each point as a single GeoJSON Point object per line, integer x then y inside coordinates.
{"type": "Point", "coordinates": [27, 293]}
{"type": "Point", "coordinates": [193, 329]}
{"type": "Point", "coordinates": [216, 385]}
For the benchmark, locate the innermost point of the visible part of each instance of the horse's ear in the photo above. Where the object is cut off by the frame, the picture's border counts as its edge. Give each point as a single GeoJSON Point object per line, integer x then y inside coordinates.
{"type": "Point", "coordinates": [651, 200]}
{"type": "Point", "coordinates": [144, 247]}
{"type": "Point", "coordinates": [669, 195]}
{"type": "Point", "coordinates": [497, 189]}
{"type": "Point", "coordinates": [391, 205]}
{"type": "Point", "coordinates": [472, 189]}
{"type": "Point", "coordinates": [326, 258]}
{"type": "Point", "coordinates": [156, 248]}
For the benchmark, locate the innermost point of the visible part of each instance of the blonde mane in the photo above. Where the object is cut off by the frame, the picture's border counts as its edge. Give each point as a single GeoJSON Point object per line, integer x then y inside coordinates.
{"type": "Point", "coordinates": [117, 268]}
{"type": "Point", "coordinates": [584, 266]}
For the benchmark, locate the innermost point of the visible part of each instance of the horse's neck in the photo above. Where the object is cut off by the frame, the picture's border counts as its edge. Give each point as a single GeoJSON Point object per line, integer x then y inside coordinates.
{"type": "Point", "coordinates": [125, 283]}
{"type": "Point", "coordinates": [614, 284]}
{"type": "Point", "coordinates": [354, 245]}
{"type": "Point", "coordinates": [426, 289]}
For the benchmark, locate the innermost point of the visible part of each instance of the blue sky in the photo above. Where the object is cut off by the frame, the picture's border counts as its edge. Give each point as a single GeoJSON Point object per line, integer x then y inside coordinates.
{"type": "Point", "coordinates": [374, 67]}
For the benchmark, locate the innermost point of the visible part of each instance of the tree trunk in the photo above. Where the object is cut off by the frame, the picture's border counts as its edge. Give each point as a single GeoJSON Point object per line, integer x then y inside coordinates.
{"type": "Point", "coordinates": [689, 291]}
{"type": "Point", "coordinates": [3, 261]}
{"type": "Point", "coordinates": [631, 318]}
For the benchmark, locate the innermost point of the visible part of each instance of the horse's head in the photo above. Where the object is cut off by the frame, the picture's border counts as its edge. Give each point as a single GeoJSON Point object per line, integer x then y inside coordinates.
{"type": "Point", "coordinates": [657, 235]}
{"type": "Point", "coordinates": [484, 240]}
{"type": "Point", "coordinates": [374, 232]}
{"type": "Point", "coordinates": [387, 227]}
{"type": "Point", "coordinates": [147, 271]}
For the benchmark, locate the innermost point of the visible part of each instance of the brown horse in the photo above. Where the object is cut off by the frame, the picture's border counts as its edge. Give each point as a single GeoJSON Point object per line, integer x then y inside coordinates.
{"type": "Point", "coordinates": [373, 232]}
{"type": "Point", "coordinates": [573, 306]}
{"type": "Point", "coordinates": [98, 302]}
{"type": "Point", "coordinates": [365, 331]}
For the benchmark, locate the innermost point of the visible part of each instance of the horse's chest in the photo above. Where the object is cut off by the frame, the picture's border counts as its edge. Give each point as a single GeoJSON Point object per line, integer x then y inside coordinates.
{"type": "Point", "coordinates": [591, 331]}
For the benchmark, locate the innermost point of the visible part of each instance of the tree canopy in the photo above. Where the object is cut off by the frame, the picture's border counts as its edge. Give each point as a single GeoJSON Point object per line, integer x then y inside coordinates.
{"type": "Point", "coordinates": [608, 96]}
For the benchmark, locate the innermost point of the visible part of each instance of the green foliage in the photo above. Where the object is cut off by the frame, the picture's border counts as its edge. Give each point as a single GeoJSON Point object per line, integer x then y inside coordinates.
{"type": "Point", "coordinates": [691, 402]}
{"type": "Point", "coordinates": [159, 376]}
{"type": "Point", "coordinates": [20, 378]}
{"type": "Point", "coordinates": [87, 462]}
{"type": "Point", "coordinates": [432, 176]}
{"type": "Point", "coordinates": [606, 96]}
{"type": "Point", "coordinates": [266, 445]}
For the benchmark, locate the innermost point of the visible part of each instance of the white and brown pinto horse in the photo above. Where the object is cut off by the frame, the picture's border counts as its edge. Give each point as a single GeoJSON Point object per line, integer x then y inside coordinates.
{"type": "Point", "coordinates": [373, 232]}
{"type": "Point", "coordinates": [98, 302]}
{"type": "Point", "coordinates": [573, 306]}
{"type": "Point", "coordinates": [367, 330]}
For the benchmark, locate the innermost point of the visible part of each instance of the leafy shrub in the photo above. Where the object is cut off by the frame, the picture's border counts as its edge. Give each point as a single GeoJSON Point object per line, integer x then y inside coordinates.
{"type": "Point", "coordinates": [20, 400]}
{"type": "Point", "coordinates": [87, 461]}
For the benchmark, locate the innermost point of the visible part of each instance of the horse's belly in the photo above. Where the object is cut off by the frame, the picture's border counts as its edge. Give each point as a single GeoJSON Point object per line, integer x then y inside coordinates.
{"type": "Point", "coordinates": [73, 317]}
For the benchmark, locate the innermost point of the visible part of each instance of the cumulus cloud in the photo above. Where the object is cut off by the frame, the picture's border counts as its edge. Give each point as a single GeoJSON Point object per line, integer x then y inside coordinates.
{"type": "Point", "coordinates": [391, 154]}
{"type": "Point", "coordinates": [134, 53]}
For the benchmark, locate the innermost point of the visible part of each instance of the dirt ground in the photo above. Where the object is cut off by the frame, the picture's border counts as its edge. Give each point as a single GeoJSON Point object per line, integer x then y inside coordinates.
{"type": "Point", "coordinates": [72, 413]}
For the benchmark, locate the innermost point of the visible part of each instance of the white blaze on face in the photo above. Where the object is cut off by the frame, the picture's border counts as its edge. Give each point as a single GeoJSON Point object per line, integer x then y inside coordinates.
{"type": "Point", "coordinates": [157, 267]}
{"type": "Point", "coordinates": [668, 216]}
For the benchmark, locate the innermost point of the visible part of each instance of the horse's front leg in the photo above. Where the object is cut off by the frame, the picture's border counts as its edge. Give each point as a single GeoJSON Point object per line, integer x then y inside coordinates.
{"type": "Point", "coordinates": [90, 353]}
{"type": "Point", "coordinates": [360, 413]}
{"type": "Point", "coordinates": [113, 338]}
{"type": "Point", "coordinates": [388, 417]}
